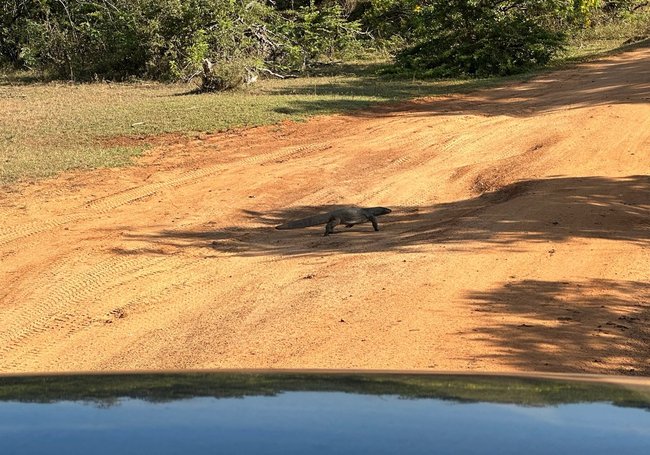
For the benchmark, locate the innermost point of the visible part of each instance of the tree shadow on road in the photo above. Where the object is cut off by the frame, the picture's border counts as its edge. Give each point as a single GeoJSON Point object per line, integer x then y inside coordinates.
{"type": "Point", "coordinates": [568, 326]}
{"type": "Point", "coordinates": [611, 80]}
{"type": "Point", "coordinates": [544, 210]}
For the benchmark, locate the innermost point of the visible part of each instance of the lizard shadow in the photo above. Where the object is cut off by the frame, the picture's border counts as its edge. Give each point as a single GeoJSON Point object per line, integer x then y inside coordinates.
{"type": "Point", "coordinates": [513, 216]}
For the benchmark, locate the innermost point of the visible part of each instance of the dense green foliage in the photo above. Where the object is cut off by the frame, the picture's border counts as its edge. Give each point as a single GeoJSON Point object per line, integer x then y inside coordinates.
{"type": "Point", "coordinates": [481, 37]}
{"type": "Point", "coordinates": [166, 39]}
{"type": "Point", "coordinates": [169, 39]}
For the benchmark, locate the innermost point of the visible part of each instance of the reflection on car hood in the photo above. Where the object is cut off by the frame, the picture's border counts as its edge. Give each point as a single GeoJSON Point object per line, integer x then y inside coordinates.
{"type": "Point", "coordinates": [322, 412]}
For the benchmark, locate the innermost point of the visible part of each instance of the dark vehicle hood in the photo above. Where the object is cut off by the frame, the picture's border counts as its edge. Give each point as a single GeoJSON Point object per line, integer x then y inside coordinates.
{"type": "Point", "coordinates": [323, 412]}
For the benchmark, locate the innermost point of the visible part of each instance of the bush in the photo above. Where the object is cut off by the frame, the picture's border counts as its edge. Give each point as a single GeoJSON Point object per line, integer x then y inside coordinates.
{"type": "Point", "coordinates": [319, 32]}
{"type": "Point", "coordinates": [167, 39]}
{"type": "Point", "coordinates": [73, 39]}
{"type": "Point", "coordinates": [480, 37]}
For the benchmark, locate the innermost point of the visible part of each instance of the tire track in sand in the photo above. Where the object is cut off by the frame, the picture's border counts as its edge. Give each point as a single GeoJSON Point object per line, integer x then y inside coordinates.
{"type": "Point", "coordinates": [98, 312]}
{"type": "Point", "coordinates": [106, 204]}
{"type": "Point", "coordinates": [61, 308]}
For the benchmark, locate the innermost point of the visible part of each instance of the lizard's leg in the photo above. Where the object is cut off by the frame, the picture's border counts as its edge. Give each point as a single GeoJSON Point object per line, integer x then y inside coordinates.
{"type": "Point", "coordinates": [349, 225]}
{"type": "Point", "coordinates": [373, 220]}
{"type": "Point", "coordinates": [330, 225]}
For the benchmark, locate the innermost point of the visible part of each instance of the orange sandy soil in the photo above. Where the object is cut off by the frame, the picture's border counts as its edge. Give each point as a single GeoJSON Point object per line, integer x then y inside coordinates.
{"type": "Point", "coordinates": [519, 240]}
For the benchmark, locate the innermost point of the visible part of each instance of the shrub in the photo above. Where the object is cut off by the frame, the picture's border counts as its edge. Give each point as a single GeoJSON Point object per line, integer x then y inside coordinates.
{"type": "Point", "coordinates": [480, 37]}
{"type": "Point", "coordinates": [167, 39]}
{"type": "Point", "coordinates": [319, 32]}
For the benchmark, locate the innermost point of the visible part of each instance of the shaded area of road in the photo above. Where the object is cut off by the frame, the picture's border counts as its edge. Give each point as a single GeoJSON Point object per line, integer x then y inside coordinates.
{"type": "Point", "coordinates": [555, 209]}
{"type": "Point", "coordinates": [591, 85]}
{"type": "Point", "coordinates": [583, 322]}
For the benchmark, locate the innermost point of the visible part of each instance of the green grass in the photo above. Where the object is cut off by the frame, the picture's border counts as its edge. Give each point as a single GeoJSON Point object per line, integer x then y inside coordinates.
{"type": "Point", "coordinates": [48, 128]}
{"type": "Point", "coordinates": [607, 35]}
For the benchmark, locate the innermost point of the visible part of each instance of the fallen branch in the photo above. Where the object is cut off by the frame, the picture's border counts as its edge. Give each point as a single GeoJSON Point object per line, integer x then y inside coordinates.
{"type": "Point", "coordinates": [279, 76]}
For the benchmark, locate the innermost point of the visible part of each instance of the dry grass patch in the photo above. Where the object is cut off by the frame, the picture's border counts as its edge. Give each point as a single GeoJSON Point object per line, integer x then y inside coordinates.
{"type": "Point", "coordinates": [48, 128]}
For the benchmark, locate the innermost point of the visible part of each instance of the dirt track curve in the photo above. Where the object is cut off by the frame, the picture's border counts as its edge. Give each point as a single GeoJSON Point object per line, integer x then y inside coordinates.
{"type": "Point", "coordinates": [519, 240]}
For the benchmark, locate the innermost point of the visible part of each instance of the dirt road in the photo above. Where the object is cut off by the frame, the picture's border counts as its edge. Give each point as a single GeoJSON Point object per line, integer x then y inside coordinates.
{"type": "Point", "coordinates": [519, 240]}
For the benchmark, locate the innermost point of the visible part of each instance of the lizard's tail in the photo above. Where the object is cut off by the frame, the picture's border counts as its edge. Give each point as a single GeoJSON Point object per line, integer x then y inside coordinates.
{"type": "Point", "coordinates": [305, 222]}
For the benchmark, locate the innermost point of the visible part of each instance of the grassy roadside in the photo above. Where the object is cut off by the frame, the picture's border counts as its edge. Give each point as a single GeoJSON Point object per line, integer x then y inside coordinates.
{"type": "Point", "coordinates": [47, 128]}
{"type": "Point", "coordinates": [53, 127]}
{"type": "Point", "coordinates": [604, 40]}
